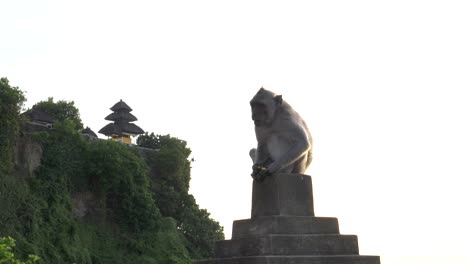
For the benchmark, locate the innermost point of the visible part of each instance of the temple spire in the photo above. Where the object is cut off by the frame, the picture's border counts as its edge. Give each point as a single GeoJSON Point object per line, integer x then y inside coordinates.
{"type": "Point", "coordinates": [122, 129]}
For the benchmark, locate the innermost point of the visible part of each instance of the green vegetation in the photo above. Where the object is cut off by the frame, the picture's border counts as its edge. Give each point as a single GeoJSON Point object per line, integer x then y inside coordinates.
{"type": "Point", "coordinates": [11, 102]}
{"type": "Point", "coordinates": [8, 257]}
{"type": "Point", "coordinates": [170, 174]}
{"type": "Point", "coordinates": [61, 111]}
{"type": "Point", "coordinates": [98, 201]}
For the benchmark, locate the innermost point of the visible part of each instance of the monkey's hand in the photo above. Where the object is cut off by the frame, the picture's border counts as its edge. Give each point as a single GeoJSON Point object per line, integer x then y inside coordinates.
{"type": "Point", "coordinates": [259, 172]}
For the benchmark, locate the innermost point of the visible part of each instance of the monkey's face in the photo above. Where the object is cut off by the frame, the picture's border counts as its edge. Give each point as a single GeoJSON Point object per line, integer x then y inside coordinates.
{"type": "Point", "coordinates": [264, 106]}
{"type": "Point", "coordinates": [262, 113]}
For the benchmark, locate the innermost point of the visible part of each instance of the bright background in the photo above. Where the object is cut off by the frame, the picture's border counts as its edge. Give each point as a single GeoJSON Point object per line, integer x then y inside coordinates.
{"type": "Point", "coordinates": [382, 85]}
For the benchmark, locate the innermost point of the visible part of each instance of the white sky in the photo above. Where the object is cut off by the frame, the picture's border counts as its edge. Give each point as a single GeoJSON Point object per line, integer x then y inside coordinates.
{"type": "Point", "coordinates": [382, 85]}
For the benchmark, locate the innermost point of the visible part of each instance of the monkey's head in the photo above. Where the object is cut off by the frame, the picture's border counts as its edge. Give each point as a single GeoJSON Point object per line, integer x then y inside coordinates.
{"type": "Point", "coordinates": [264, 105]}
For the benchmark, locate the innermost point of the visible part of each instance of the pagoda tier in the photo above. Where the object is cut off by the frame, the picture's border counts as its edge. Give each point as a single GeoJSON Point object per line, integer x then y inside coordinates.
{"type": "Point", "coordinates": [121, 129]}
{"type": "Point", "coordinates": [121, 116]}
{"type": "Point", "coordinates": [121, 106]}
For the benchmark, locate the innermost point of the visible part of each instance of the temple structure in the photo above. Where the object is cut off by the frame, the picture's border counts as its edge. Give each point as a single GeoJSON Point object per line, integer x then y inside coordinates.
{"type": "Point", "coordinates": [122, 129]}
{"type": "Point", "coordinates": [40, 117]}
{"type": "Point", "coordinates": [87, 132]}
{"type": "Point", "coordinates": [36, 120]}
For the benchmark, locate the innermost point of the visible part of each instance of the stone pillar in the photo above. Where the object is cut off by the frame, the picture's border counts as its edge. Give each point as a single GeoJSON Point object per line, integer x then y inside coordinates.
{"type": "Point", "coordinates": [283, 194]}
{"type": "Point", "coordinates": [284, 230]}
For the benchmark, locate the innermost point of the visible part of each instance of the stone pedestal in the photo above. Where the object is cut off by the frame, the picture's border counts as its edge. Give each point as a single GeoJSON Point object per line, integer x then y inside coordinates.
{"type": "Point", "coordinates": [283, 194]}
{"type": "Point", "coordinates": [284, 230]}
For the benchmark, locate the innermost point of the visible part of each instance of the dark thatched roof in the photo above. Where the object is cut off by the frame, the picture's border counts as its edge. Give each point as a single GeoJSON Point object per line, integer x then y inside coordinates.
{"type": "Point", "coordinates": [121, 116]}
{"type": "Point", "coordinates": [110, 129]}
{"type": "Point", "coordinates": [89, 132]}
{"type": "Point", "coordinates": [121, 129]}
{"type": "Point", "coordinates": [40, 116]}
{"type": "Point", "coordinates": [121, 106]}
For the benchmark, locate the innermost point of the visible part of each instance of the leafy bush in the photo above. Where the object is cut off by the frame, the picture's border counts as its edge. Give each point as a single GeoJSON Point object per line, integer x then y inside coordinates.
{"type": "Point", "coordinates": [118, 176]}
{"type": "Point", "coordinates": [61, 110]}
{"type": "Point", "coordinates": [11, 102]}
{"type": "Point", "coordinates": [8, 257]}
{"type": "Point", "coordinates": [170, 175]}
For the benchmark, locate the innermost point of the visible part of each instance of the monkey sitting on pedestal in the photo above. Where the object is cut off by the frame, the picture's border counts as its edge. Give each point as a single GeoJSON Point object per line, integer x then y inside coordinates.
{"type": "Point", "coordinates": [284, 141]}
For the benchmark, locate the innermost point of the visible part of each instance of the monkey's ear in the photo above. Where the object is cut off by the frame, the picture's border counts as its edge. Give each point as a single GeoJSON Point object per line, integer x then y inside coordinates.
{"type": "Point", "coordinates": [279, 99]}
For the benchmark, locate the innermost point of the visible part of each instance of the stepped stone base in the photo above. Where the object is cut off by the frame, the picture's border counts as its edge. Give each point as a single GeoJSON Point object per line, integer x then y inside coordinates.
{"type": "Point", "coordinates": [299, 225]}
{"type": "Point", "coordinates": [288, 245]}
{"type": "Point", "coordinates": [355, 259]}
{"type": "Point", "coordinates": [284, 230]}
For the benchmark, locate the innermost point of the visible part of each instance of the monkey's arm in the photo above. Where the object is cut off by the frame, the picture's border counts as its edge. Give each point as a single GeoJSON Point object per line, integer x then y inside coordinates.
{"type": "Point", "coordinates": [261, 162]}
{"type": "Point", "coordinates": [261, 155]}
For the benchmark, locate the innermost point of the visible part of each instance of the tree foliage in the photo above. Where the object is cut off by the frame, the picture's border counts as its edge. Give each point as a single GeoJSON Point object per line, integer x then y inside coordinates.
{"type": "Point", "coordinates": [141, 211]}
{"type": "Point", "coordinates": [172, 159]}
{"type": "Point", "coordinates": [8, 257]}
{"type": "Point", "coordinates": [170, 175]}
{"type": "Point", "coordinates": [118, 177]}
{"type": "Point", "coordinates": [13, 202]}
{"type": "Point", "coordinates": [11, 103]}
{"type": "Point", "coordinates": [61, 110]}
{"type": "Point", "coordinates": [122, 176]}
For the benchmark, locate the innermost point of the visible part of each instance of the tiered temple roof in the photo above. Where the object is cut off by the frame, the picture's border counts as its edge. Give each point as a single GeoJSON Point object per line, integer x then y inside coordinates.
{"type": "Point", "coordinates": [122, 117]}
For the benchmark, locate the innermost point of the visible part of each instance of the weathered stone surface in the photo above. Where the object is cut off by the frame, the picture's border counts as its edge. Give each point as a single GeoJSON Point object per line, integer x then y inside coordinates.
{"type": "Point", "coordinates": [28, 155]}
{"type": "Point", "coordinates": [354, 259]}
{"type": "Point", "coordinates": [86, 204]}
{"type": "Point", "coordinates": [284, 225]}
{"type": "Point", "coordinates": [288, 245]}
{"type": "Point", "coordinates": [286, 194]}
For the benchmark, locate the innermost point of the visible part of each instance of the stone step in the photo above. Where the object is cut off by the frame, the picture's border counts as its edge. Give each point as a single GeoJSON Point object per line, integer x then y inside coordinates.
{"type": "Point", "coordinates": [284, 225]}
{"type": "Point", "coordinates": [288, 245]}
{"type": "Point", "coordinates": [343, 259]}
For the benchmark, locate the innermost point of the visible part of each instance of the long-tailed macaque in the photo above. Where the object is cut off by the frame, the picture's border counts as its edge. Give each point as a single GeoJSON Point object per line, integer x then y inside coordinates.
{"type": "Point", "coordinates": [284, 141]}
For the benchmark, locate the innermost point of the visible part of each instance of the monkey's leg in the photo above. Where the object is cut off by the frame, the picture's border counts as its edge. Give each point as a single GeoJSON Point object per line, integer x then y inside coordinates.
{"type": "Point", "coordinates": [299, 166]}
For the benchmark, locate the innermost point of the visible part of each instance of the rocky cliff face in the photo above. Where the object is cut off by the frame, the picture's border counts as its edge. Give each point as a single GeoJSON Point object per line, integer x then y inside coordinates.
{"type": "Point", "coordinates": [87, 205]}
{"type": "Point", "coordinates": [28, 156]}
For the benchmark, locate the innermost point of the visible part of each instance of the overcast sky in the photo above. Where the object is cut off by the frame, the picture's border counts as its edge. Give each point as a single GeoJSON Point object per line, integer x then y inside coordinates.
{"type": "Point", "coordinates": [382, 85]}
